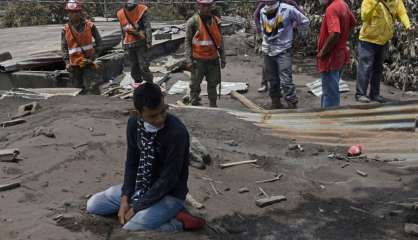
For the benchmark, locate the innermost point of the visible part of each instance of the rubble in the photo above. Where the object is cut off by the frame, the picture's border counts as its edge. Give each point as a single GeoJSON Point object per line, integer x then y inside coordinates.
{"type": "Point", "coordinates": [411, 229]}
{"type": "Point", "coordinates": [182, 87]}
{"type": "Point", "coordinates": [9, 155]}
{"type": "Point", "coordinates": [4, 56]}
{"type": "Point", "coordinates": [199, 155]}
{"type": "Point", "coordinates": [243, 190]}
{"type": "Point", "coordinates": [44, 131]}
{"type": "Point", "coordinates": [27, 109]}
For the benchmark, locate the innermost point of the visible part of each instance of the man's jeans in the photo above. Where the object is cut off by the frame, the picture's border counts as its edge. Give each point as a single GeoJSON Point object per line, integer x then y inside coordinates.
{"type": "Point", "coordinates": [370, 68]}
{"type": "Point", "coordinates": [278, 73]}
{"type": "Point", "coordinates": [160, 216]}
{"type": "Point", "coordinates": [330, 89]}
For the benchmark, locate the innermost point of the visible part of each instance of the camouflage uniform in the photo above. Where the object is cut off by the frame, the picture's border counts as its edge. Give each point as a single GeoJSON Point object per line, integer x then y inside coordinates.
{"type": "Point", "coordinates": [85, 78]}
{"type": "Point", "coordinates": [209, 69]}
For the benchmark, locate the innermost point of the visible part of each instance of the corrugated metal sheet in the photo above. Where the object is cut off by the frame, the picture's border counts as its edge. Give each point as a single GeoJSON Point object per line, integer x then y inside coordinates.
{"type": "Point", "coordinates": [316, 87]}
{"type": "Point", "coordinates": [385, 131]}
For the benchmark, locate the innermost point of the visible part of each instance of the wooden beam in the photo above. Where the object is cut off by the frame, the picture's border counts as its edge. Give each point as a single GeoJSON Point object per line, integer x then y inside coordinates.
{"type": "Point", "coordinates": [246, 102]}
{"type": "Point", "coordinates": [9, 186]}
{"type": "Point", "coordinates": [194, 202]}
{"type": "Point", "coordinates": [270, 180]}
{"type": "Point", "coordinates": [225, 165]}
{"type": "Point", "coordinates": [12, 123]}
{"type": "Point", "coordinates": [8, 155]}
{"type": "Point", "coordinates": [263, 202]}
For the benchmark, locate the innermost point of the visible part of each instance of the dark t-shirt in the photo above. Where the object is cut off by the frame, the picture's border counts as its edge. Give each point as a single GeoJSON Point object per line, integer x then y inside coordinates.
{"type": "Point", "coordinates": [338, 19]}
{"type": "Point", "coordinates": [170, 170]}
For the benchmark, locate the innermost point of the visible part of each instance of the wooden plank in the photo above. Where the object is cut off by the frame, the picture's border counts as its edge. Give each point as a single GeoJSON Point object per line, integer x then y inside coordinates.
{"type": "Point", "coordinates": [214, 188]}
{"type": "Point", "coordinates": [263, 192]}
{"type": "Point", "coordinates": [263, 202]}
{"type": "Point", "coordinates": [8, 155]}
{"type": "Point", "coordinates": [194, 202]}
{"type": "Point", "coordinates": [363, 174]}
{"type": "Point", "coordinates": [12, 123]}
{"type": "Point", "coordinates": [225, 165]}
{"type": "Point", "coordinates": [246, 102]}
{"type": "Point", "coordinates": [270, 180]}
{"type": "Point", "coordinates": [9, 186]}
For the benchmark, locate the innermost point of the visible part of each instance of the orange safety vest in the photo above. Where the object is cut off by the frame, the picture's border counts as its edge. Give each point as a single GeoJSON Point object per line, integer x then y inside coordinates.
{"type": "Point", "coordinates": [202, 44]}
{"type": "Point", "coordinates": [134, 16]}
{"type": "Point", "coordinates": [84, 38]}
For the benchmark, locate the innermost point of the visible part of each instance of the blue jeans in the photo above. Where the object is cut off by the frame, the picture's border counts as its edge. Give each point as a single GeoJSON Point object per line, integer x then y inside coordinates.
{"type": "Point", "coordinates": [330, 89]}
{"type": "Point", "coordinates": [160, 216]}
{"type": "Point", "coordinates": [278, 73]}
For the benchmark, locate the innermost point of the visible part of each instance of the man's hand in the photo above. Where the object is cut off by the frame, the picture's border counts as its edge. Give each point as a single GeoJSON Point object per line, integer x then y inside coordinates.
{"type": "Point", "coordinates": [413, 29]}
{"type": "Point", "coordinates": [149, 45]}
{"type": "Point", "coordinates": [123, 210]}
{"type": "Point", "coordinates": [68, 67]}
{"type": "Point", "coordinates": [129, 215]}
{"type": "Point", "coordinates": [133, 32]}
{"type": "Point", "coordinates": [223, 64]}
{"type": "Point", "coordinates": [189, 67]}
{"type": "Point", "coordinates": [321, 55]}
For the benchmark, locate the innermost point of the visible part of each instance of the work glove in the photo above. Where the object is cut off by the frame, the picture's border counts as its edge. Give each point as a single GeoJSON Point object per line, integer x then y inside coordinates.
{"type": "Point", "coordinates": [88, 63]}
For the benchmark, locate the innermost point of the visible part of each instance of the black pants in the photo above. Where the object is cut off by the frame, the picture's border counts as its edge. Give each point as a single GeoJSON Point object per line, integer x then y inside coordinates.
{"type": "Point", "coordinates": [370, 68]}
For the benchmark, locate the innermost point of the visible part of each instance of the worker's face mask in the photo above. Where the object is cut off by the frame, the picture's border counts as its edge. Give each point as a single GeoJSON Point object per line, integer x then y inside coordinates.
{"type": "Point", "coordinates": [324, 2]}
{"type": "Point", "coordinates": [151, 128]}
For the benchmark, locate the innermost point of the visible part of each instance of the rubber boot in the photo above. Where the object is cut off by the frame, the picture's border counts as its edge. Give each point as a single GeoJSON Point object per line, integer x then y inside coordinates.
{"type": "Point", "coordinates": [276, 103]}
{"type": "Point", "coordinates": [212, 103]}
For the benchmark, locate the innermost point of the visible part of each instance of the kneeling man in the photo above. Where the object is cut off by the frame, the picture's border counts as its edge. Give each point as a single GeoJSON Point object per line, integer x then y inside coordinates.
{"type": "Point", "coordinates": [156, 170]}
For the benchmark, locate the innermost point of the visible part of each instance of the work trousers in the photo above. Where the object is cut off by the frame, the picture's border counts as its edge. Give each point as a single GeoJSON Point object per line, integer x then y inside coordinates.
{"type": "Point", "coordinates": [370, 68]}
{"type": "Point", "coordinates": [211, 71]}
{"type": "Point", "coordinates": [278, 73]}
{"type": "Point", "coordinates": [87, 78]}
{"type": "Point", "coordinates": [161, 216]}
{"type": "Point", "coordinates": [139, 60]}
{"type": "Point", "coordinates": [330, 89]}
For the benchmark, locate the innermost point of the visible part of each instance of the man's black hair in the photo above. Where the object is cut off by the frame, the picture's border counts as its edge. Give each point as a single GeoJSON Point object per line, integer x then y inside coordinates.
{"type": "Point", "coordinates": [147, 95]}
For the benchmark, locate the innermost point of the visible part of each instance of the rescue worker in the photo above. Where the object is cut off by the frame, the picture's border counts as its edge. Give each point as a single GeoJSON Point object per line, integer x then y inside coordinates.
{"type": "Point", "coordinates": [135, 22]}
{"type": "Point", "coordinates": [78, 49]}
{"type": "Point", "coordinates": [204, 52]}
{"type": "Point", "coordinates": [278, 19]}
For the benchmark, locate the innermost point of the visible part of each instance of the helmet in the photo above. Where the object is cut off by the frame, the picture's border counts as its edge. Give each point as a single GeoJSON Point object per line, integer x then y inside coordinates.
{"type": "Point", "coordinates": [205, 1]}
{"type": "Point", "coordinates": [73, 5]}
{"type": "Point", "coordinates": [133, 2]}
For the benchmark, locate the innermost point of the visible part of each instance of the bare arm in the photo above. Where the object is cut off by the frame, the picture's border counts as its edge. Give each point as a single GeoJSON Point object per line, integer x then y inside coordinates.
{"type": "Point", "coordinates": [329, 44]}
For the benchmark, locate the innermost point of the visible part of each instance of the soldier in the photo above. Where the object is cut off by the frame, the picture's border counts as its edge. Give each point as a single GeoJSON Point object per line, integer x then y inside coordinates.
{"type": "Point", "coordinates": [78, 49]}
{"type": "Point", "coordinates": [204, 52]}
{"type": "Point", "coordinates": [137, 38]}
